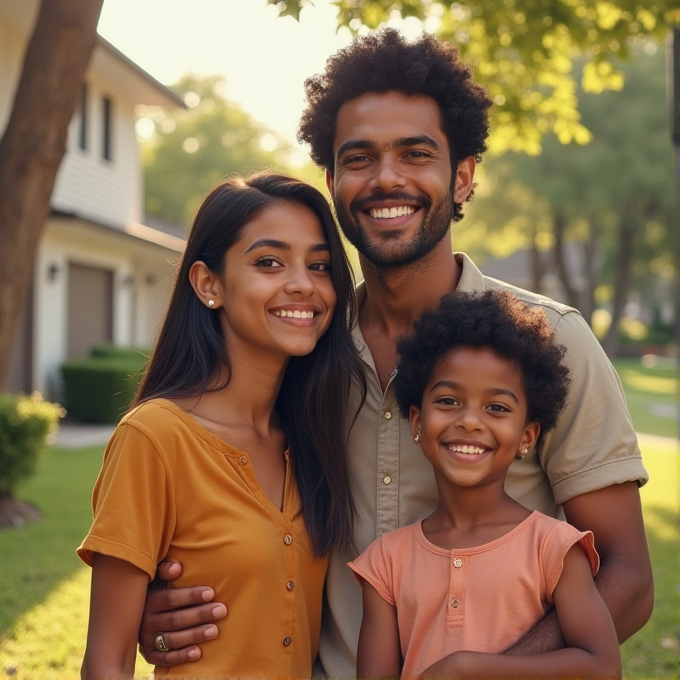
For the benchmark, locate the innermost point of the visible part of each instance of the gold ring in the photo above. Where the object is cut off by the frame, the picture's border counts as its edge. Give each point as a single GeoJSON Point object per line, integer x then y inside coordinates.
{"type": "Point", "coordinates": [160, 644]}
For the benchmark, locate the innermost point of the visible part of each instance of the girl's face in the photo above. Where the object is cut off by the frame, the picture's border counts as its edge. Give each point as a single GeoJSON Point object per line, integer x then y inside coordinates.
{"type": "Point", "coordinates": [473, 418]}
{"type": "Point", "coordinates": [275, 291]}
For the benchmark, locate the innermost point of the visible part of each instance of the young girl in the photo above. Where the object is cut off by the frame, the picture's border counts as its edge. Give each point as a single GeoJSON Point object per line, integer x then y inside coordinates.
{"type": "Point", "coordinates": [232, 460]}
{"type": "Point", "coordinates": [480, 379]}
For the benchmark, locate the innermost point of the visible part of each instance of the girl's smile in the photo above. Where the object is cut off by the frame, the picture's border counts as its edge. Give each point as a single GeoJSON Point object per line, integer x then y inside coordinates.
{"type": "Point", "coordinates": [472, 421]}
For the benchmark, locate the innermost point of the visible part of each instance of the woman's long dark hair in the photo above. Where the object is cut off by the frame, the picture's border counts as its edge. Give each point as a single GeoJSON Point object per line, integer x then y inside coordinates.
{"type": "Point", "coordinates": [312, 404]}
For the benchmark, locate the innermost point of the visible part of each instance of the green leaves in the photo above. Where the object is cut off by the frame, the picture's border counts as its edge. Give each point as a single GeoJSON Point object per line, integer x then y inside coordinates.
{"type": "Point", "coordinates": [523, 51]}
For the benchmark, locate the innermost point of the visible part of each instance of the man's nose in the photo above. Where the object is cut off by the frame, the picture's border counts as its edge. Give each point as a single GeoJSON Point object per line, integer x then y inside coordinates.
{"type": "Point", "coordinates": [388, 174]}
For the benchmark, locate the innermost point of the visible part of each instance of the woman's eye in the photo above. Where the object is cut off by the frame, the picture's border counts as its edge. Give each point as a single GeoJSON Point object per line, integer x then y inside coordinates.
{"type": "Point", "coordinates": [320, 266]}
{"type": "Point", "coordinates": [268, 262]}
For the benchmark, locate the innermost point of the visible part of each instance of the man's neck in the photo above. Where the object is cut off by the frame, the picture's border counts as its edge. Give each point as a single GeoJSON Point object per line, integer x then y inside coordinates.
{"type": "Point", "coordinates": [397, 296]}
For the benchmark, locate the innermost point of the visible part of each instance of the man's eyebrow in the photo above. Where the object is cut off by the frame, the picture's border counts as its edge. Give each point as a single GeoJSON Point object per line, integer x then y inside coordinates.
{"type": "Point", "coordinates": [282, 245]}
{"type": "Point", "coordinates": [415, 140]}
{"type": "Point", "coordinates": [354, 144]}
{"type": "Point", "coordinates": [411, 140]}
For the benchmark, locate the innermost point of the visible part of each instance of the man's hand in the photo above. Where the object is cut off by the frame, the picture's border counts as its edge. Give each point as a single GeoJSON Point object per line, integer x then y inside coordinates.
{"type": "Point", "coordinates": [183, 616]}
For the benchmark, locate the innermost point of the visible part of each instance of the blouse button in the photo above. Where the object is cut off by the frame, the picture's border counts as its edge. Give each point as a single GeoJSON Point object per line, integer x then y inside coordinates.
{"type": "Point", "coordinates": [387, 479]}
{"type": "Point", "coordinates": [290, 585]}
{"type": "Point", "coordinates": [287, 539]}
{"type": "Point", "coordinates": [286, 641]}
{"type": "Point", "coordinates": [455, 602]}
{"type": "Point", "coordinates": [243, 460]}
{"type": "Point", "coordinates": [457, 562]}
{"type": "Point", "coordinates": [388, 415]}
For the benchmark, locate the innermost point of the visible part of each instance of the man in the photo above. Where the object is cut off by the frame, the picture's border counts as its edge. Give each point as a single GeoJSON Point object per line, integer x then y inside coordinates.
{"type": "Point", "coordinates": [399, 128]}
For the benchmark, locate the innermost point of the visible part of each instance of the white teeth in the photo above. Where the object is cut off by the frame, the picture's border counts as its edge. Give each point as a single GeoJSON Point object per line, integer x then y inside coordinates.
{"type": "Point", "coordinates": [468, 450]}
{"type": "Point", "coordinates": [385, 213]}
{"type": "Point", "coordinates": [296, 314]}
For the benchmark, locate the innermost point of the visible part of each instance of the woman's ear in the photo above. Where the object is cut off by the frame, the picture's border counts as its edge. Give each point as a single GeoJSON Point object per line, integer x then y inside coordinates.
{"type": "Point", "coordinates": [205, 285]}
{"type": "Point", "coordinates": [414, 419]}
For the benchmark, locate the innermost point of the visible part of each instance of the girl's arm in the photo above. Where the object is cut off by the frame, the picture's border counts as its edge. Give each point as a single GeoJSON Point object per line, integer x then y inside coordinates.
{"type": "Point", "coordinates": [116, 604]}
{"type": "Point", "coordinates": [378, 655]}
{"type": "Point", "coordinates": [587, 627]}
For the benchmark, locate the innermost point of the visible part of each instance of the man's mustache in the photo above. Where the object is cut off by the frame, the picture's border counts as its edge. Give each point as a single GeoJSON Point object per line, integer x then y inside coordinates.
{"type": "Point", "coordinates": [360, 203]}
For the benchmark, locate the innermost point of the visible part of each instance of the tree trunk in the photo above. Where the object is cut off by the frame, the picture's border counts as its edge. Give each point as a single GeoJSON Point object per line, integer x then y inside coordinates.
{"type": "Point", "coordinates": [34, 144]}
{"type": "Point", "coordinates": [538, 264]}
{"type": "Point", "coordinates": [590, 266]}
{"type": "Point", "coordinates": [622, 279]}
{"type": "Point", "coordinates": [559, 227]}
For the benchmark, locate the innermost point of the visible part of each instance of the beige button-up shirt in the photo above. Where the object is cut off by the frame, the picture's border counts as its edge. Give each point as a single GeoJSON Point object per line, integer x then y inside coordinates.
{"type": "Point", "coordinates": [592, 447]}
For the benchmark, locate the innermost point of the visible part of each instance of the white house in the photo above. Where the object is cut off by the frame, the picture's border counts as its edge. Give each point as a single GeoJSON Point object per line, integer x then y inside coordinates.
{"type": "Point", "coordinates": [100, 275]}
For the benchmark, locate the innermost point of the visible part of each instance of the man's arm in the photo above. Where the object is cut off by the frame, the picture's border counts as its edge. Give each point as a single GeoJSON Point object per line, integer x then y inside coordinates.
{"type": "Point", "coordinates": [614, 515]}
{"type": "Point", "coordinates": [183, 616]}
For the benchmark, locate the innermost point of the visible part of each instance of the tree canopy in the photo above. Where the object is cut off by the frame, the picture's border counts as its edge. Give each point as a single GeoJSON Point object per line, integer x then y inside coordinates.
{"type": "Point", "coordinates": [523, 51]}
{"type": "Point", "coordinates": [189, 151]}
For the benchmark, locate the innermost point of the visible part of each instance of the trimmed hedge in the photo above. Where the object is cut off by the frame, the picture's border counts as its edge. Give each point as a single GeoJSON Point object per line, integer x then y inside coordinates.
{"type": "Point", "coordinates": [25, 422]}
{"type": "Point", "coordinates": [101, 388]}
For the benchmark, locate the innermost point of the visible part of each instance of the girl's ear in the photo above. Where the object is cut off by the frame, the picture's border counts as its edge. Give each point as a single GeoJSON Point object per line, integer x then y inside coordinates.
{"type": "Point", "coordinates": [414, 419]}
{"type": "Point", "coordinates": [205, 285]}
{"type": "Point", "coordinates": [531, 432]}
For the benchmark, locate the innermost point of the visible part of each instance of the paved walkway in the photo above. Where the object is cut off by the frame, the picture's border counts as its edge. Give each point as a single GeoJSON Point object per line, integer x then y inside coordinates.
{"type": "Point", "coordinates": [82, 435]}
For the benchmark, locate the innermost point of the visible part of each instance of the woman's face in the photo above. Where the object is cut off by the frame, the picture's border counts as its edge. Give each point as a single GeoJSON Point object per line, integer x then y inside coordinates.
{"type": "Point", "coordinates": [276, 289]}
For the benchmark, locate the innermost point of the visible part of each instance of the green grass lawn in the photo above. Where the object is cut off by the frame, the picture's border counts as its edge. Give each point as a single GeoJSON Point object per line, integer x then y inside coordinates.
{"type": "Point", "coordinates": [44, 588]}
{"type": "Point", "coordinates": [651, 394]}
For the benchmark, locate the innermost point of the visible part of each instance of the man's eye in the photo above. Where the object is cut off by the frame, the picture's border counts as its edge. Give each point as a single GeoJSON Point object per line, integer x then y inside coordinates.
{"type": "Point", "coordinates": [419, 154]}
{"type": "Point", "coordinates": [359, 158]}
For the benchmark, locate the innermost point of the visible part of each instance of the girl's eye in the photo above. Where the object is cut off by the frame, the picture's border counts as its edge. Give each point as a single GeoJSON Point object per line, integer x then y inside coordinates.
{"type": "Point", "coordinates": [499, 408]}
{"type": "Point", "coordinates": [447, 401]}
{"type": "Point", "coordinates": [320, 266]}
{"type": "Point", "coordinates": [267, 262]}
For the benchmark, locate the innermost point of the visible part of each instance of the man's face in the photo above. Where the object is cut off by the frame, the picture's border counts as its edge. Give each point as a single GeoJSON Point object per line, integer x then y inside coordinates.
{"type": "Point", "coordinates": [392, 183]}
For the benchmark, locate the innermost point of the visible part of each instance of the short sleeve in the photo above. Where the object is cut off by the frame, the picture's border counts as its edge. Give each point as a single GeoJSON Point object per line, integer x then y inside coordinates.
{"type": "Point", "coordinates": [373, 566]}
{"type": "Point", "coordinates": [594, 444]}
{"type": "Point", "coordinates": [133, 503]}
{"type": "Point", "coordinates": [555, 547]}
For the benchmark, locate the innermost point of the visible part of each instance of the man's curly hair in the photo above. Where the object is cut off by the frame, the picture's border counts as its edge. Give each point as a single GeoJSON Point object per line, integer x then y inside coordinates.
{"type": "Point", "coordinates": [495, 320]}
{"type": "Point", "coordinates": [384, 62]}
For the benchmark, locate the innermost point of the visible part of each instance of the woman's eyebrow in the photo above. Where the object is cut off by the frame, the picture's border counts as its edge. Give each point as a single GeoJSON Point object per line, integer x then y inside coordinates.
{"type": "Point", "coordinates": [282, 245]}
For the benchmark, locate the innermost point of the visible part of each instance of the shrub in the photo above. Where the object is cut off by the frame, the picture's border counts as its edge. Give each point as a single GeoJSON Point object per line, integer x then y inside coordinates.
{"type": "Point", "coordinates": [25, 422]}
{"type": "Point", "coordinates": [136, 356]}
{"type": "Point", "coordinates": [100, 389]}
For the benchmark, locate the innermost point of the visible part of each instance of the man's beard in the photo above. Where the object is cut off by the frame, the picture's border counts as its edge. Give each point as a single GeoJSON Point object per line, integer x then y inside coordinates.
{"type": "Point", "coordinates": [433, 228]}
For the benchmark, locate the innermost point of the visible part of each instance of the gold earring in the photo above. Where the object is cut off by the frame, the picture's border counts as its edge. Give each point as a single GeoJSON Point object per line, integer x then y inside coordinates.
{"type": "Point", "coordinates": [416, 437]}
{"type": "Point", "coordinates": [523, 453]}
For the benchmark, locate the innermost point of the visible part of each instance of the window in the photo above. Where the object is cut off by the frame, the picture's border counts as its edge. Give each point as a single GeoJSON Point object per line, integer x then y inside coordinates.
{"type": "Point", "coordinates": [107, 128]}
{"type": "Point", "coordinates": [82, 128]}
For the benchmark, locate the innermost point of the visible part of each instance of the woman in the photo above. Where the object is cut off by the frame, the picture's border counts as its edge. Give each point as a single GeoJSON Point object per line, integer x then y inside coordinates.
{"type": "Point", "coordinates": [232, 459]}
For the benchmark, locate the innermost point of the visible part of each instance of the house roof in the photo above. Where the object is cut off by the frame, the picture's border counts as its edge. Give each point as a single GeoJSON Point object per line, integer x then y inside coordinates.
{"type": "Point", "coordinates": [107, 62]}
{"type": "Point", "coordinates": [130, 229]}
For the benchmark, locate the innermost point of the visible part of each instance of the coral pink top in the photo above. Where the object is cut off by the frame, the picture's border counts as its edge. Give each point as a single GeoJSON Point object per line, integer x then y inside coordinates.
{"type": "Point", "coordinates": [479, 599]}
